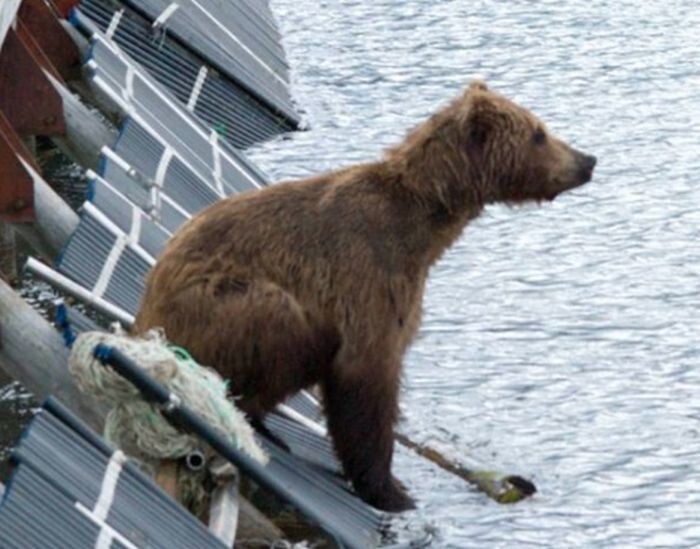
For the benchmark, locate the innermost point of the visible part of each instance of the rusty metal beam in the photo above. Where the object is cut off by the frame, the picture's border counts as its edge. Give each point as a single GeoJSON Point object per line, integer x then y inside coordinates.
{"type": "Point", "coordinates": [28, 100]}
{"type": "Point", "coordinates": [45, 30]}
{"type": "Point", "coordinates": [16, 184]}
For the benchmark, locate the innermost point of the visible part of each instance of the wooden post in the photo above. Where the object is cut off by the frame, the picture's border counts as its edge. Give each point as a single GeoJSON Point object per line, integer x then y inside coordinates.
{"type": "Point", "coordinates": [33, 353]}
{"type": "Point", "coordinates": [8, 253]}
{"type": "Point", "coordinates": [86, 132]}
{"type": "Point", "coordinates": [55, 220]}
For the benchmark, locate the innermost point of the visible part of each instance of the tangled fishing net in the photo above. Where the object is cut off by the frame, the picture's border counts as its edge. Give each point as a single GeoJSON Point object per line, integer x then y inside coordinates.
{"type": "Point", "coordinates": [137, 426]}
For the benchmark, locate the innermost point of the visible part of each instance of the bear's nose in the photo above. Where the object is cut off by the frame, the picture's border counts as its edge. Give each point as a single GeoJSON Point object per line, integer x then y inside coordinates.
{"type": "Point", "coordinates": [587, 162]}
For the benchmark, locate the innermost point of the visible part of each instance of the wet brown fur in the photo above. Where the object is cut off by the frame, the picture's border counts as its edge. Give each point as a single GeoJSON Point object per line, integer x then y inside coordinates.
{"type": "Point", "coordinates": [321, 280]}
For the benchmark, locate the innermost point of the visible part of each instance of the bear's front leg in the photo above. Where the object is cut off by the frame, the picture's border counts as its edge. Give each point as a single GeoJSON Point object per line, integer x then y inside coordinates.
{"type": "Point", "coordinates": [362, 408]}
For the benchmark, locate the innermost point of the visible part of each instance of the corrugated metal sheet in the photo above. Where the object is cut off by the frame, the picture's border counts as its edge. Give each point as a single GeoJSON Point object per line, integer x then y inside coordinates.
{"type": "Point", "coordinates": [234, 78]}
{"type": "Point", "coordinates": [59, 495]}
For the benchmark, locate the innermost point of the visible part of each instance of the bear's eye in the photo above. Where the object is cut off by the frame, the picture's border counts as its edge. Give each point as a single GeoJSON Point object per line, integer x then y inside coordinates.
{"type": "Point", "coordinates": [539, 137]}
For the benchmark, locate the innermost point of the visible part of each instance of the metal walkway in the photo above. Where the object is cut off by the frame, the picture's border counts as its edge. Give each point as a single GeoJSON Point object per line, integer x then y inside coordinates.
{"type": "Point", "coordinates": [70, 489]}
{"type": "Point", "coordinates": [169, 162]}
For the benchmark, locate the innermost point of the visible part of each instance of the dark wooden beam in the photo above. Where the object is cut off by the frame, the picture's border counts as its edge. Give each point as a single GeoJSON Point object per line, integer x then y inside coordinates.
{"type": "Point", "coordinates": [29, 101]}
{"type": "Point", "coordinates": [16, 184]}
{"type": "Point", "coordinates": [45, 29]}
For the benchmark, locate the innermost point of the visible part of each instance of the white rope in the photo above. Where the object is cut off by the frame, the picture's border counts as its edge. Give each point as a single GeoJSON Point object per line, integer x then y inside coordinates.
{"type": "Point", "coordinates": [137, 426]}
{"type": "Point", "coordinates": [197, 88]}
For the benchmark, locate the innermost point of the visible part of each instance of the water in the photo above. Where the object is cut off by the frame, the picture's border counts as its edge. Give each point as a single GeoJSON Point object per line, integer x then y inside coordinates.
{"type": "Point", "coordinates": [559, 342]}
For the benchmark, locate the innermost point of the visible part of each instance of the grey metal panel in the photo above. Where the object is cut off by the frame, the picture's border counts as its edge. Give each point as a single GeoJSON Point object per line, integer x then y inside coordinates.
{"type": "Point", "coordinates": [160, 113]}
{"type": "Point", "coordinates": [239, 106]}
{"type": "Point", "coordinates": [87, 252]}
{"type": "Point", "coordinates": [59, 467]}
{"type": "Point", "coordinates": [127, 282]}
{"type": "Point", "coordinates": [151, 237]}
{"type": "Point", "coordinates": [303, 443]}
{"type": "Point", "coordinates": [139, 148]}
{"type": "Point", "coordinates": [35, 514]}
{"type": "Point", "coordinates": [229, 39]}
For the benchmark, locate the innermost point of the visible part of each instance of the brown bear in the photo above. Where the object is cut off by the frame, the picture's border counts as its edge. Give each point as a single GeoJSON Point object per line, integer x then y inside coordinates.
{"type": "Point", "coordinates": [321, 281]}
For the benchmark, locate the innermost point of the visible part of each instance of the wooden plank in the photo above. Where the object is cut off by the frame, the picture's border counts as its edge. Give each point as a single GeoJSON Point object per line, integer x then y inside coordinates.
{"type": "Point", "coordinates": [33, 353]}
{"type": "Point", "coordinates": [16, 184]}
{"type": "Point", "coordinates": [50, 35]}
{"type": "Point", "coordinates": [54, 220]}
{"type": "Point", "coordinates": [86, 131]}
{"type": "Point", "coordinates": [27, 98]}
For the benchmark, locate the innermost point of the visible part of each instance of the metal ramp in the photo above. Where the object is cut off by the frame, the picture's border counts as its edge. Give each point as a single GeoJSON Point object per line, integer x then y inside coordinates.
{"type": "Point", "coordinates": [70, 489]}
{"type": "Point", "coordinates": [222, 60]}
{"type": "Point", "coordinates": [166, 165]}
{"type": "Point", "coordinates": [308, 469]}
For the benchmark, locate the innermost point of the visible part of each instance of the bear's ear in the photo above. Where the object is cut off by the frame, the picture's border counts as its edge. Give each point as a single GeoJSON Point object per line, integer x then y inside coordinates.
{"type": "Point", "coordinates": [476, 85]}
{"type": "Point", "coordinates": [480, 119]}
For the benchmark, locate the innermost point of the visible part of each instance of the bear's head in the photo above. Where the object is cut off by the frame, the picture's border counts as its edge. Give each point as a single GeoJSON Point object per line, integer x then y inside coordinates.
{"type": "Point", "coordinates": [511, 152]}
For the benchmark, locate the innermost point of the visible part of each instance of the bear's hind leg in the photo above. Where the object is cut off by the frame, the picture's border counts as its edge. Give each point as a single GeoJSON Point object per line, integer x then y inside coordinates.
{"type": "Point", "coordinates": [253, 333]}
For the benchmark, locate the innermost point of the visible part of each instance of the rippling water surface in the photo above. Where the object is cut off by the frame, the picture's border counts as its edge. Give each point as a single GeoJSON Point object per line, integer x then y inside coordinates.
{"type": "Point", "coordinates": [560, 342]}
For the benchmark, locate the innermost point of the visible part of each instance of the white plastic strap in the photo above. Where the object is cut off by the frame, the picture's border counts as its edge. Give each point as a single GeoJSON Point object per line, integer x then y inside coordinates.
{"type": "Point", "coordinates": [163, 17]}
{"type": "Point", "coordinates": [109, 485]}
{"type": "Point", "coordinates": [128, 109]}
{"type": "Point", "coordinates": [197, 88]}
{"type": "Point", "coordinates": [108, 268]}
{"type": "Point", "coordinates": [163, 164]}
{"type": "Point", "coordinates": [114, 23]}
{"type": "Point", "coordinates": [114, 157]}
{"type": "Point", "coordinates": [107, 533]}
{"type": "Point", "coordinates": [216, 154]}
{"type": "Point", "coordinates": [128, 91]}
{"type": "Point", "coordinates": [123, 240]}
{"type": "Point", "coordinates": [135, 231]}
{"type": "Point", "coordinates": [104, 503]}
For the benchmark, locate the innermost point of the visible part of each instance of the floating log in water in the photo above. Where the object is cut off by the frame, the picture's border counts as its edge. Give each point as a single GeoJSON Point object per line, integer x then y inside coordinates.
{"type": "Point", "coordinates": [499, 487]}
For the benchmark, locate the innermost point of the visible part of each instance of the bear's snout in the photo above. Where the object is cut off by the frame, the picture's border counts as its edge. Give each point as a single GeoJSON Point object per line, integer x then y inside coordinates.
{"type": "Point", "coordinates": [586, 164]}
